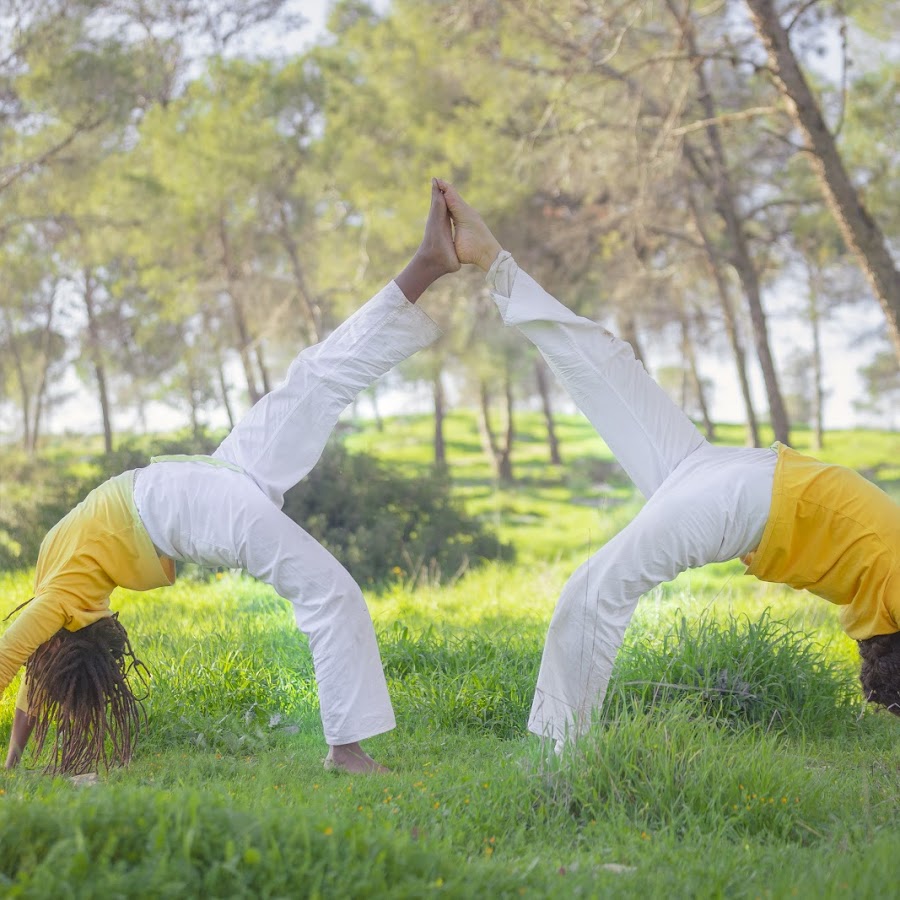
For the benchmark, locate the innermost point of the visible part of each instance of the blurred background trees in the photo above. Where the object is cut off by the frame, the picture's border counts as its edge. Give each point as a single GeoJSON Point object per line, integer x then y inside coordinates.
{"type": "Point", "coordinates": [178, 215]}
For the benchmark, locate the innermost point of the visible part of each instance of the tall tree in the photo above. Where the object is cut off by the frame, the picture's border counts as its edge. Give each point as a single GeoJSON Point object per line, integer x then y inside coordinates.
{"type": "Point", "coordinates": [859, 229]}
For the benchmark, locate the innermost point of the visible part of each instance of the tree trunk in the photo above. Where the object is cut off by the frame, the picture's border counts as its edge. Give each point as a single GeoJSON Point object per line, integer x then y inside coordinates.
{"type": "Point", "coordinates": [815, 322]}
{"type": "Point", "coordinates": [237, 311]}
{"type": "Point", "coordinates": [95, 344]}
{"type": "Point", "coordinates": [226, 400]}
{"type": "Point", "coordinates": [313, 310]}
{"type": "Point", "coordinates": [376, 410]}
{"type": "Point", "coordinates": [24, 393]}
{"type": "Point", "coordinates": [40, 396]}
{"type": "Point", "coordinates": [440, 410]}
{"type": "Point", "coordinates": [485, 430]}
{"type": "Point", "coordinates": [731, 326]}
{"type": "Point", "coordinates": [723, 192]}
{"type": "Point", "coordinates": [263, 369]}
{"type": "Point", "coordinates": [857, 227]}
{"type": "Point", "coordinates": [543, 386]}
{"type": "Point", "coordinates": [627, 328]}
{"type": "Point", "coordinates": [504, 469]}
{"type": "Point", "coordinates": [690, 358]}
{"type": "Point", "coordinates": [193, 395]}
{"type": "Point", "coordinates": [500, 457]}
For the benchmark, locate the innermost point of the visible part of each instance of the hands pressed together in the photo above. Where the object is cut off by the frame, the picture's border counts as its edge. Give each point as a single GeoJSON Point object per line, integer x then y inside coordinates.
{"type": "Point", "coordinates": [455, 235]}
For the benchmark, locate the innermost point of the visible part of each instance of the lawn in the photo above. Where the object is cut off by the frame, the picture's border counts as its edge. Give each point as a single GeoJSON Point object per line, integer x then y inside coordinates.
{"type": "Point", "coordinates": [734, 758]}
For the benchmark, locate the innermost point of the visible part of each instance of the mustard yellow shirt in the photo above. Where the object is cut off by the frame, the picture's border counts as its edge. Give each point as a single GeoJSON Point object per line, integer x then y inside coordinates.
{"type": "Point", "coordinates": [99, 545]}
{"type": "Point", "coordinates": [836, 534]}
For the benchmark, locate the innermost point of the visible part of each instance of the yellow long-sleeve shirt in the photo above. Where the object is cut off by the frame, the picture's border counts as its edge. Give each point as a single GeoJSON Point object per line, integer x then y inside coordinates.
{"type": "Point", "coordinates": [837, 535]}
{"type": "Point", "coordinates": [99, 545]}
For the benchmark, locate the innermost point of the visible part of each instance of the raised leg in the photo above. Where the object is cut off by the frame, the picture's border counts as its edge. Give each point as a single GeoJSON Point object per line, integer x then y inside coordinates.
{"type": "Point", "coordinates": [282, 437]}
{"type": "Point", "coordinates": [647, 433]}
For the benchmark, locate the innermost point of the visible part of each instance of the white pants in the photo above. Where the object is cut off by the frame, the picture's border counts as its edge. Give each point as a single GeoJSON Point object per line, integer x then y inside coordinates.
{"type": "Point", "coordinates": [704, 503]}
{"type": "Point", "coordinates": [216, 516]}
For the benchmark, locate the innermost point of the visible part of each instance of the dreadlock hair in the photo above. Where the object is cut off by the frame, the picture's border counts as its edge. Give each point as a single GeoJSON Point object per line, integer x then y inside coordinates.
{"type": "Point", "coordinates": [880, 672]}
{"type": "Point", "coordinates": [78, 680]}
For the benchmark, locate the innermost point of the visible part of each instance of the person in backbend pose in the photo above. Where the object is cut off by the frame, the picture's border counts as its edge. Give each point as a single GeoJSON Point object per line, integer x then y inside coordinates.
{"type": "Point", "coordinates": [792, 519]}
{"type": "Point", "coordinates": [223, 510]}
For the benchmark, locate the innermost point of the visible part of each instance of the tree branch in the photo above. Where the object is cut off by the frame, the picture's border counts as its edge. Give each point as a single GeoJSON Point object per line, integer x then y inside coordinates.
{"type": "Point", "coordinates": [724, 119]}
{"type": "Point", "coordinates": [15, 172]}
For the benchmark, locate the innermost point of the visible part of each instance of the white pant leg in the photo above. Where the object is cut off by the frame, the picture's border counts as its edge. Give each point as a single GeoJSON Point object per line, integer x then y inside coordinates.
{"type": "Point", "coordinates": [712, 508]}
{"type": "Point", "coordinates": [214, 516]}
{"type": "Point", "coordinates": [329, 608]}
{"type": "Point", "coordinates": [282, 437]}
{"type": "Point", "coordinates": [647, 433]}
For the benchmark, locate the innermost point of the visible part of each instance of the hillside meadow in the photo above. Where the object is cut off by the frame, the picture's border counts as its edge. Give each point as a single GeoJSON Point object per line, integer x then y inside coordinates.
{"type": "Point", "coordinates": [734, 757]}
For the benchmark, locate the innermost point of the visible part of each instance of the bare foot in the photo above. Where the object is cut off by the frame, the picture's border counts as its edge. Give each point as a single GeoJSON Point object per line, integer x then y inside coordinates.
{"type": "Point", "coordinates": [353, 759]}
{"type": "Point", "coordinates": [436, 255]}
{"type": "Point", "coordinates": [473, 240]}
{"type": "Point", "coordinates": [87, 779]}
{"type": "Point", "coordinates": [437, 248]}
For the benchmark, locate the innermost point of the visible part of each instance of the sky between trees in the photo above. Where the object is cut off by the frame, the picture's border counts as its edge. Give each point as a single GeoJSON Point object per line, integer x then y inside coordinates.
{"type": "Point", "coordinates": [190, 192]}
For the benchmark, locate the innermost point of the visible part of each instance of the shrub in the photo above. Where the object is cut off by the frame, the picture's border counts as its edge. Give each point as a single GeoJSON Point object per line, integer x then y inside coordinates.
{"type": "Point", "coordinates": [36, 492]}
{"type": "Point", "coordinates": [379, 523]}
{"type": "Point", "coordinates": [383, 525]}
{"type": "Point", "coordinates": [741, 672]}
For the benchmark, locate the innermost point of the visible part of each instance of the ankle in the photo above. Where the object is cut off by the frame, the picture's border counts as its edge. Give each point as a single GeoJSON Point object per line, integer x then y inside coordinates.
{"type": "Point", "coordinates": [489, 253]}
{"type": "Point", "coordinates": [431, 263]}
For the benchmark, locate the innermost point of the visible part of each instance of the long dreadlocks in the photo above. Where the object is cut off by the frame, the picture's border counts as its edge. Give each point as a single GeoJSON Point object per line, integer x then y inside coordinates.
{"type": "Point", "coordinates": [79, 682]}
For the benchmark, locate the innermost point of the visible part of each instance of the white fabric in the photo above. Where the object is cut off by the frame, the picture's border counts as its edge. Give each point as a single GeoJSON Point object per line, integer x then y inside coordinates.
{"type": "Point", "coordinates": [705, 504]}
{"type": "Point", "coordinates": [215, 516]}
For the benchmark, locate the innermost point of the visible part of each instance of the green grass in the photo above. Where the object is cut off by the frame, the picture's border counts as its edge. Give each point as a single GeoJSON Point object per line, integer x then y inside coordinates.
{"type": "Point", "coordinates": [734, 758]}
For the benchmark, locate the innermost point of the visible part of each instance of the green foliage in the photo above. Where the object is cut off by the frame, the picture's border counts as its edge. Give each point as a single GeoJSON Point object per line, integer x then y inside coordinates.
{"type": "Point", "coordinates": [738, 672]}
{"type": "Point", "coordinates": [382, 525]}
{"type": "Point", "coordinates": [677, 773]}
{"type": "Point", "coordinates": [480, 682]}
{"type": "Point", "coordinates": [139, 843]}
{"type": "Point", "coordinates": [37, 491]}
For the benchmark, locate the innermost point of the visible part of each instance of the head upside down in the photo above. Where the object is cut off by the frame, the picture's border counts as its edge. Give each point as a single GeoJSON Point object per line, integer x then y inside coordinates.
{"type": "Point", "coordinates": [880, 673]}
{"type": "Point", "coordinates": [78, 681]}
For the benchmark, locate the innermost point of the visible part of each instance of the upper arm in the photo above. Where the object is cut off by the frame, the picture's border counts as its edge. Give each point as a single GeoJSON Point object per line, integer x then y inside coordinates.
{"type": "Point", "coordinates": [37, 622]}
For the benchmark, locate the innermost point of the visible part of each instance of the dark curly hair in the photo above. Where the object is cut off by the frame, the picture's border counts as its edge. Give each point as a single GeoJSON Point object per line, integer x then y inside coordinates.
{"type": "Point", "coordinates": [79, 682]}
{"type": "Point", "coordinates": [880, 672]}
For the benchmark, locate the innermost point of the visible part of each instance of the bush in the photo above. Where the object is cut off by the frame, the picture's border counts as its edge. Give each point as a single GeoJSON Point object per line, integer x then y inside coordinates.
{"type": "Point", "coordinates": [382, 525]}
{"type": "Point", "coordinates": [740, 672]}
{"type": "Point", "coordinates": [378, 523]}
{"type": "Point", "coordinates": [36, 492]}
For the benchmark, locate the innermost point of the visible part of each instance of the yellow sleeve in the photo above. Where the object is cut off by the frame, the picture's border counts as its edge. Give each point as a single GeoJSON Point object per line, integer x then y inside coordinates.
{"type": "Point", "coordinates": [37, 622]}
{"type": "Point", "coordinates": [22, 696]}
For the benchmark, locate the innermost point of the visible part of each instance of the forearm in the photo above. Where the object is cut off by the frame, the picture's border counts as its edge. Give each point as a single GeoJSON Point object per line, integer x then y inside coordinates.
{"type": "Point", "coordinates": [23, 725]}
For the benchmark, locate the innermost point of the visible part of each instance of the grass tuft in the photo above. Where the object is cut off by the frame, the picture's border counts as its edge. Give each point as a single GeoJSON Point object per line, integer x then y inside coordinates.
{"type": "Point", "coordinates": [738, 671]}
